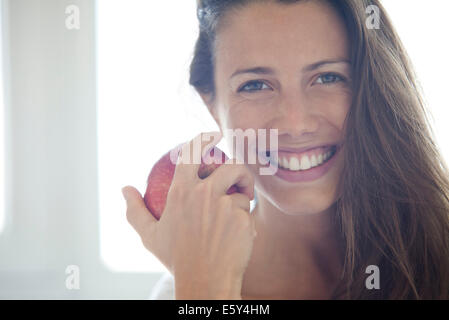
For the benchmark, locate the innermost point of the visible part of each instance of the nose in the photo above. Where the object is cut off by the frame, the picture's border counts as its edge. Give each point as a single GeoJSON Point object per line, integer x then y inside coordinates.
{"type": "Point", "coordinates": [295, 116]}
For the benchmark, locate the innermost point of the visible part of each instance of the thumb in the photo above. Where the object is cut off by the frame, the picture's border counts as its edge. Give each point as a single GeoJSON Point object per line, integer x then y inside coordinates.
{"type": "Point", "coordinates": [137, 213]}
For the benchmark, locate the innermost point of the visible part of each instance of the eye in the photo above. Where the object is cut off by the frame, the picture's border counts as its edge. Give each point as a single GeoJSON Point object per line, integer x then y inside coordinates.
{"type": "Point", "coordinates": [252, 86]}
{"type": "Point", "coordinates": [329, 78]}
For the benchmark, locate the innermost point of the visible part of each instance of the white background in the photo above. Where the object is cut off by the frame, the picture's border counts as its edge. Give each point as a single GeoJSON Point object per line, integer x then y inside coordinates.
{"type": "Point", "coordinates": [145, 109]}
{"type": "Point", "coordinates": [2, 135]}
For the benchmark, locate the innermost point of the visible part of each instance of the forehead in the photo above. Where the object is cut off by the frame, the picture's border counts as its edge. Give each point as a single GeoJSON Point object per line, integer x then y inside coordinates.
{"type": "Point", "coordinates": [270, 32]}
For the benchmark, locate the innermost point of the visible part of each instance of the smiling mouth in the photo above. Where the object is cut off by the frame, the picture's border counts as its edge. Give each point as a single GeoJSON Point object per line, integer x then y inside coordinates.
{"type": "Point", "coordinates": [303, 161]}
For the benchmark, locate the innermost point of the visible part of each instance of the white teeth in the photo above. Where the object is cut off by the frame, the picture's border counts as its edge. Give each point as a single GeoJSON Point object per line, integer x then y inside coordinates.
{"type": "Point", "coordinates": [305, 163]}
{"type": "Point", "coordinates": [314, 161]}
{"type": "Point", "coordinates": [294, 164]}
{"type": "Point", "coordinates": [285, 163]}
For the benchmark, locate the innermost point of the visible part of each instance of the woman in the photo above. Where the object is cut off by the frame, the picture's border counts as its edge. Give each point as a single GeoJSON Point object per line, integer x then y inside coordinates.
{"type": "Point", "coordinates": [317, 73]}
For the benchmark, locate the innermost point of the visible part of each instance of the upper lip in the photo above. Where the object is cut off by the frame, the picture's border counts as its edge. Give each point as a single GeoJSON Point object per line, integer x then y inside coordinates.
{"type": "Point", "coordinates": [306, 148]}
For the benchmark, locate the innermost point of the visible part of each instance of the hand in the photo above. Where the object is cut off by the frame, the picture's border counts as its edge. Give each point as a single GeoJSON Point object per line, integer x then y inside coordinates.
{"type": "Point", "coordinates": [204, 236]}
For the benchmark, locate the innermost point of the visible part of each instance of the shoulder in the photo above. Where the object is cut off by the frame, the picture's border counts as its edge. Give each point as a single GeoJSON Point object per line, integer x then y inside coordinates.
{"type": "Point", "coordinates": [164, 289]}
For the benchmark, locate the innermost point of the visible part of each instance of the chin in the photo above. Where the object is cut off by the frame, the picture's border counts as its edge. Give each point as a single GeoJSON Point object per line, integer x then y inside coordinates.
{"type": "Point", "coordinates": [301, 202]}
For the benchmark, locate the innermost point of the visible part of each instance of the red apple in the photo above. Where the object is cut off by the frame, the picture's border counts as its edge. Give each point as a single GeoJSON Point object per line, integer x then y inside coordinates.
{"type": "Point", "coordinates": [162, 173]}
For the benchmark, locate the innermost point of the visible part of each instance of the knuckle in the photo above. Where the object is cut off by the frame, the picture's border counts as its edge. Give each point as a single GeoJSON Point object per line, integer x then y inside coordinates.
{"type": "Point", "coordinates": [244, 220]}
{"type": "Point", "coordinates": [240, 200]}
{"type": "Point", "coordinates": [224, 203]}
{"type": "Point", "coordinates": [240, 218]}
{"type": "Point", "coordinates": [241, 167]}
{"type": "Point", "coordinates": [247, 205]}
{"type": "Point", "coordinates": [245, 172]}
{"type": "Point", "coordinates": [203, 188]}
{"type": "Point", "coordinates": [250, 176]}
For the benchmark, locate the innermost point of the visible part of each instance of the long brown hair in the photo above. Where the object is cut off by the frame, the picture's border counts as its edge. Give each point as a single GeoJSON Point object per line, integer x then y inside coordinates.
{"type": "Point", "coordinates": [394, 206]}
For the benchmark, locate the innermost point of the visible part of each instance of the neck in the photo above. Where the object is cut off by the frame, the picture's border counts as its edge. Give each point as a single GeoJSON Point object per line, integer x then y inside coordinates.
{"type": "Point", "coordinates": [291, 230]}
{"type": "Point", "coordinates": [294, 250]}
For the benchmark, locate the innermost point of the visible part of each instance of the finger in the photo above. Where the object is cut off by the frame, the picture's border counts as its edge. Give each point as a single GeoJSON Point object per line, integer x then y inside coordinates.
{"type": "Point", "coordinates": [240, 201]}
{"type": "Point", "coordinates": [137, 213]}
{"type": "Point", "coordinates": [231, 174]}
{"type": "Point", "coordinates": [253, 224]}
{"type": "Point", "coordinates": [189, 160]}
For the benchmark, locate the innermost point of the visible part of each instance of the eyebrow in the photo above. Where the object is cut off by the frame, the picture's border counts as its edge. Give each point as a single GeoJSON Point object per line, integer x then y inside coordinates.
{"type": "Point", "coordinates": [308, 68]}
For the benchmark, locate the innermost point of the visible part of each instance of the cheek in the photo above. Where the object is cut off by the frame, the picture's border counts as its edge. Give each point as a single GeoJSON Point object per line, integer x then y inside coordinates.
{"type": "Point", "coordinates": [334, 106]}
{"type": "Point", "coordinates": [244, 114]}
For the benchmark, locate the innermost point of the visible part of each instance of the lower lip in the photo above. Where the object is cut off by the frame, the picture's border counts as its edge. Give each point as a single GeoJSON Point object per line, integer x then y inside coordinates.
{"type": "Point", "coordinates": [307, 175]}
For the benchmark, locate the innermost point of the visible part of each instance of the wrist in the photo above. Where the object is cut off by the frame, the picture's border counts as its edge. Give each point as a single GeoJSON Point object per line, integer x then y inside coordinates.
{"type": "Point", "coordinates": [194, 288]}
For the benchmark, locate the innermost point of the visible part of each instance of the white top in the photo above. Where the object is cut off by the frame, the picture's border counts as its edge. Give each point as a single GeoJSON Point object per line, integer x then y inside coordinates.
{"type": "Point", "coordinates": [164, 289]}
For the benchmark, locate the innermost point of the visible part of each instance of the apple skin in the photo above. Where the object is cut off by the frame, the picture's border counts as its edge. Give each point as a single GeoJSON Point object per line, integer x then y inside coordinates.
{"type": "Point", "coordinates": [161, 176]}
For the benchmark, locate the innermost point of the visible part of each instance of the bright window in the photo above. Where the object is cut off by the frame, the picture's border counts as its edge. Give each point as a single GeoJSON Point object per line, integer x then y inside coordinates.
{"type": "Point", "coordinates": [146, 106]}
{"type": "Point", "coordinates": [2, 133]}
{"type": "Point", "coordinates": [424, 31]}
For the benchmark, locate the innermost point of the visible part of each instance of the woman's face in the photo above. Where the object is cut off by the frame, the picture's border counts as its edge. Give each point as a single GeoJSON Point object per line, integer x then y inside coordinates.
{"type": "Point", "coordinates": [301, 87]}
